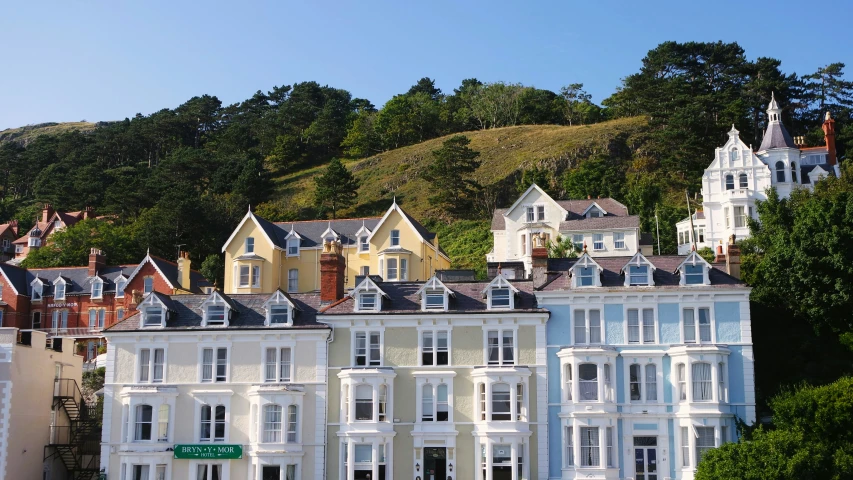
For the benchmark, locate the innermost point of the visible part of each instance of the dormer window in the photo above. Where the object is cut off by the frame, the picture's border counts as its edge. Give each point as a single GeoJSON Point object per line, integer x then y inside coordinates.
{"type": "Point", "coordinates": [694, 274]}
{"type": "Point", "coordinates": [293, 247]}
{"type": "Point", "coordinates": [279, 314]}
{"type": "Point", "coordinates": [215, 315]}
{"type": "Point", "coordinates": [586, 276]}
{"type": "Point", "coordinates": [38, 290]}
{"type": "Point", "coordinates": [594, 213]}
{"type": "Point", "coordinates": [500, 294]}
{"type": "Point", "coordinates": [279, 309]}
{"type": "Point", "coordinates": [434, 300]}
{"type": "Point", "coordinates": [638, 271]}
{"type": "Point", "coordinates": [395, 238]}
{"type": "Point", "coordinates": [97, 288]}
{"type": "Point", "coordinates": [363, 244]}
{"type": "Point", "coordinates": [250, 245]}
{"type": "Point", "coordinates": [153, 316]}
{"type": "Point", "coordinates": [59, 290]}
{"type": "Point", "coordinates": [120, 284]}
{"type": "Point", "coordinates": [638, 275]}
{"type": "Point", "coordinates": [434, 295]}
{"type": "Point", "coordinates": [500, 298]}
{"type": "Point", "coordinates": [694, 270]}
{"type": "Point", "coordinates": [57, 224]}
{"type": "Point", "coordinates": [586, 273]}
{"type": "Point", "coordinates": [367, 302]}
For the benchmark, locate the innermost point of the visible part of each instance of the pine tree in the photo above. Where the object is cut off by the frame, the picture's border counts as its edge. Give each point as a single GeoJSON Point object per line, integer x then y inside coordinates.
{"type": "Point", "coordinates": [335, 188]}
{"type": "Point", "coordinates": [452, 163]}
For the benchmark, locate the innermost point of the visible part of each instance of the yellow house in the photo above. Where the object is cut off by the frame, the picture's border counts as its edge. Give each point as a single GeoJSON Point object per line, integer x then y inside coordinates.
{"type": "Point", "coordinates": [262, 256]}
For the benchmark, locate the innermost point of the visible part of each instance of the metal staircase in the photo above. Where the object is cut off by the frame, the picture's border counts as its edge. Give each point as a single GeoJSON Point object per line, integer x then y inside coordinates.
{"type": "Point", "coordinates": [77, 444]}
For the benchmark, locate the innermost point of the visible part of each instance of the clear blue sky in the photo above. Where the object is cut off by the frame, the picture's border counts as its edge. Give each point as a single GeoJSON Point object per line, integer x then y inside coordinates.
{"type": "Point", "coordinates": [98, 60]}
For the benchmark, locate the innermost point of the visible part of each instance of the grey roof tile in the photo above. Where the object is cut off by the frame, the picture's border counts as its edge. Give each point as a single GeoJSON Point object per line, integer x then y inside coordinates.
{"type": "Point", "coordinates": [600, 223]}
{"type": "Point", "coordinates": [776, 136]}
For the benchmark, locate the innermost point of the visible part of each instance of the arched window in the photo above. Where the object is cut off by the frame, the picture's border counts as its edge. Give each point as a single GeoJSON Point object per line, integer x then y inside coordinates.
{"type": "Point", "coordinates": [144, 415]}
{"type": "Point", "coordinates": [588, 382]}
{"type": "Point", "coordinates": [780, 171]}
{"type": "Point", "coordinates": [272, 423]}
{"type": "Point", "coordinates": [730, 182]}
{"type": "Point", "coordinates": [501, 402]}
{"type": "Point", "coordinates": [568, 376]}
{"type": "Point", "coordinates": [292, 419]}
{"type": "Point", "coordinates": [364, 402]}
{"type": "Point", "coordinates": [744, 181]}
{"type": "Point", "coordinates": [794, 172]}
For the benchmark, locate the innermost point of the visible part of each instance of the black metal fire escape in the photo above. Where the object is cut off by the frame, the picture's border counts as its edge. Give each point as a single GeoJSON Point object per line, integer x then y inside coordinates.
{"type": "Point", "coordinates": [77, 444]}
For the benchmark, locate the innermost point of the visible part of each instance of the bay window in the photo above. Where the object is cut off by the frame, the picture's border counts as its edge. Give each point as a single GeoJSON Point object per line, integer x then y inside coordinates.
{"type": "Point", "coordinates": [588, 382]}
{"type": "Point", "coordinates": [590, 447]}
{"type": "Point", "coordinates": [701, 374]}
{"type": "Point", "coordinates": [144, 419]}
{"type": "Point", "coordinates": [501, 403]}
{"type": "Point", "coordinates": [363, 403]}
{"type": "Point", "coordinates": [704, 441]}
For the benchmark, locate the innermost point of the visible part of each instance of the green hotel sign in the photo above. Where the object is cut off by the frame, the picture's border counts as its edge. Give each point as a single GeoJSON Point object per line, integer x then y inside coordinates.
{"type": "Point", "coordinates": [209, 451]}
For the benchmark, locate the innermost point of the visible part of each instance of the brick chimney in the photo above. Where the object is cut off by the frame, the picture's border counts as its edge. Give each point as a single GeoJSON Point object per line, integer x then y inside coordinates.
{"type": "Point", "coordinates": [540, 259]}
{"type": "Point", "coordinates": [88, 213]}
{"type": "Point", "coordinates": [829, 136]}
{"type": "Point", "coordinates": [46, 212]}
{"type": "Point", "coordinates": [331, 273]}
{"type": "Point", "coordinates": [97, 261]}
{"type": "Point", "coordinates": [733, 258]}
{"type": "Point", "coordinates": [14, 226]}
{"type": "Point", "coordinates": [184, 269]}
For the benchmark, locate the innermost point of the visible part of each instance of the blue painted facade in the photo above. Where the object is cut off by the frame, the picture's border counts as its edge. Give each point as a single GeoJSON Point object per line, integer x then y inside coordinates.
{"type": "Point", "coordinates": [661, 417]}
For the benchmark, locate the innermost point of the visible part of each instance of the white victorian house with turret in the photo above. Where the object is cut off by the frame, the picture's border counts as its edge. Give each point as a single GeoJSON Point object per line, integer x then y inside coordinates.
{"type": "Point", "coordinates": [738, 178]}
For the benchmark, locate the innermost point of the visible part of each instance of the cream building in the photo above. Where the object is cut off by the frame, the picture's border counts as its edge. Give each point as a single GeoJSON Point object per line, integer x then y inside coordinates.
{"type": "Point", "coordinates": [216, 387]}
{"type": "Point", "coordinates": [35, 372]}
{"type": "Point", "coordinates": [437, 380]}
{"type": "Point", "coordinates": [262, 256]}
{"type": "Point", "coordinates": [601, 226]}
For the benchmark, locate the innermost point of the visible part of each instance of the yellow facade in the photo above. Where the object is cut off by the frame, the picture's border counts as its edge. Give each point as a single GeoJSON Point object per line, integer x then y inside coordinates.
{"type": "Point", "coordinates": [270, 267]}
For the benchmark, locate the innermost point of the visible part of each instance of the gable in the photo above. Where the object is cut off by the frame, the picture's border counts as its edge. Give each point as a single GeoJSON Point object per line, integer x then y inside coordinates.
{"type": "Point", "coordinates": [533, 195]}
{"type": "Point", "coordinates": [250, 226]}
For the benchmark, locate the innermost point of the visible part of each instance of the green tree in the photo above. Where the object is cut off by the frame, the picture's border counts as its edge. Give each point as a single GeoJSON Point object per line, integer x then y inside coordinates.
{"type": "Point", "coordinates": [71, 246]}
{"type": "Point", "coordinates": [213, 269]}
{"type": "Point", "coordinates": [562, 247]}
{"type": "Point", "coordinates": [595, 177]}
{"type": "Point", "coordinates": [813, 439]}
{"type": "Point", "coordinates": [336, 188]}
{"type": "Point", "coordinates": [450, 176]}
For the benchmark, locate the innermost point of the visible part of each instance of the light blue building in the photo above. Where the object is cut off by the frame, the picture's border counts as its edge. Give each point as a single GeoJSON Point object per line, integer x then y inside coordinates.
{"type": "Point", "coordinates": [650, 363]}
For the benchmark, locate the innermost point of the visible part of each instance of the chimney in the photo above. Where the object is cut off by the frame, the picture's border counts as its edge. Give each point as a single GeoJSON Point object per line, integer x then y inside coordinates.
{"type": "Point", "coordinates": [829, 136]}
{"type": "Point", "coordinates": [184, 269]}
{"type": "Point", "coordinates": [733, 258]}
{"type": "Point", "coordinates": [88, 213]}
{"type": "Point", "coordinates": [46, 212]}
{"type": "Point", "coordinates": [540, 259]}
{"type": "Point", "coordinates": [14, 226]}
{"type": "Point", "coordinates": [97, 261]}
{"type": "Point", "coordinates": [331, 273]}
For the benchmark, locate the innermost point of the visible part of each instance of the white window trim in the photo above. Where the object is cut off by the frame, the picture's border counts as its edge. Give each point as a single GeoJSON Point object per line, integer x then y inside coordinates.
{"type": "Point", "coordinates": [391, 239]}
{"type": "Point", "coordinates": [212, 399]}
{"type": "Point", "coordinates": [500, 329]}
{"type": "Point", "coordinates": [711, 317]}
{"type": "Point", "coordinates": [278, 299]}
{"type": "Point", "coordinates": [695, 259]}
{"type": "Point", "coordinates": [435, 329]}
{"type": "Point", "coordinates": [435, 379]}
{"type": "Point", "coordinates": [97, 281]}
{"type": "Point", "coordinates": [120, 291]}
{"type": "Point", "coordinates": [215, 300]}
{"type": "Point", "coordinates": [291, 242]}
{"type": "Point", "coordinates": [643, 359]}
{"type": "Point", "coordinates": [56, 282]}
{"type": "Point", "coordinates": [37, 286]}
{"type": "Point", "coordinates": [291, 344]}
{"type": "Point", "coordinates": [200, 363]}
{"type": "Point", "coordinates": [369, 287]}
{"type": "Point", "coordinates": [367, 331]}
{"type": "Point", "coordinates": [586, 262]}
{"type": "Point", "coordinates": [151, 347]}
{"type": "Point", "coordinates": [624, 242]}
{"type": "Point", "coordinates": [155, 399]}
{"type": "Point", "coordinates": [640, 307]}
{"type": "Point", "coordinates": [601, 326]}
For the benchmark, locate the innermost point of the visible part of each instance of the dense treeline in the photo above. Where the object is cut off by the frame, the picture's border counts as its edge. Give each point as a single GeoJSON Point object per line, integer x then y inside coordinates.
{"type": "Point", "coordinates": [186, 175]}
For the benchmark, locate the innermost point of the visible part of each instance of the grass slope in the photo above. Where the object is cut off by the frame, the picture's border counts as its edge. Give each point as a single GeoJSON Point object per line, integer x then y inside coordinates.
{"type": "Point", "coordinates": [26, 134]}
{"type": "Point", "coordinates": [504, 152]}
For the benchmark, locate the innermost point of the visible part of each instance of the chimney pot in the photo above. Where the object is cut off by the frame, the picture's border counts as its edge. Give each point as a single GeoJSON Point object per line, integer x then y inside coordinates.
{"type": "Point", "coordinates": [829, 137]}
{"type": "Point", "coordinates": [184, 270]}
{"type": "Point", "coordinates": [46, 212]}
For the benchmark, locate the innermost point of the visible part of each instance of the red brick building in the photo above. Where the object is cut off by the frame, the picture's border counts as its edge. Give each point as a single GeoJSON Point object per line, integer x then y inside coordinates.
{"type": "Point", "coordinates": [49, 222]}
{"type": "Point", "coordinates": [80, 302]}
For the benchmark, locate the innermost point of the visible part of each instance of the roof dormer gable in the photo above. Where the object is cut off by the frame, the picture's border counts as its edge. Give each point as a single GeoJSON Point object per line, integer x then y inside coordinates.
{"type": "Point", "coordinates": [594, 210]}
{"type": "Point", "coordinates": [280, 310]}
{"type": "Point", "coordinates": [639, 271]}
{"type": "Point", "coordinates": [368, 296]}
{"type": "Point", "coordinates": [60, 287]}
{"type": "Point", "coordinates": [153, 311]}
{"type": "Point", "coordinates": [37, 288]}
{"type": "Point", "coordinates": [97, 287]}
{"type": "Point", "coordinates": [694, 270]}
{"type": "Point", "coordinates": [330, 235]}
{"type": "Point", "coordinates": [435, 295]}
{"type": "Point", "coordinates": [534, 195]}
{"type": "Point", "coordinates": [586, 272]}
{"type": "Point", "coordinates": [216, 310]}
{"type": "Point", "coordinates": [500, 294]}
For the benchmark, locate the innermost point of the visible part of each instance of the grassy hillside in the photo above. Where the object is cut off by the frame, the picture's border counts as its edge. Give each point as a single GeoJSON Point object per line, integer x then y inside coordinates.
{"type": "Point", "coordinates": [504, 152]}
{"type": "Point", "coordinates": [25, 135]}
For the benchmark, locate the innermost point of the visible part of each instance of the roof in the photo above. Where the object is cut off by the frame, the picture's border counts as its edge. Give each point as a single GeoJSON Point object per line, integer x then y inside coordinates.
{"type": "Point", "coordinates": [170, 271]}
{"type": "Point", "coordinates": [600, 223]}
{"type": "Point", "coordinates": [41, 226]}
{"type": "Point", "coordinates": [6, 226]}
{"type": "Point", "coordinates": [249, 313]}
{"type": "Point", "coordinates": [776, 136]}
{"type": "Point", "coordinates": [17, 277]}
{"type": "Point", "coordinates": [697, 215]}
{"type": "Point", "coordinates": [575, 209]}
{"type": "Point", "coordinates": [79, 281]}
{"type": "Point", "coordinates": [312, 231]}
{"type": "Point", "coordinates": [403, 298]}
{"type": "Point", "coordinates": [664, 274]}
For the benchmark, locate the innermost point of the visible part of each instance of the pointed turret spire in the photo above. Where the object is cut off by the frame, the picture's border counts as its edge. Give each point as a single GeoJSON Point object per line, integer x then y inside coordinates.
{"type": "Point", "coordinates": [776, 136]}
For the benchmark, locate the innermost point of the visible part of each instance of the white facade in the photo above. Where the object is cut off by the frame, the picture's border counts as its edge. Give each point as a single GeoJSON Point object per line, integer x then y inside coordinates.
{"type": "Point", "coordinates": [602, 226]}
{"type": "Point", "coordinates": [738, 178]}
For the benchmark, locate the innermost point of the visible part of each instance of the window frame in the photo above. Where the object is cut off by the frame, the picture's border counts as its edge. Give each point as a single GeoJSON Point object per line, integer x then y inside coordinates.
{"type": "Point", "coordinates": [364, 244]}
{"type": "Point", "coordinates": [147, 310]}
{"type": "Point", "coordinates": [293, 247]}
{"type": "Point", "coordinates": [213, 422]}
{"type": "Point", "coordinates": [99, 319]}
{"type": "Point", "coordinates": [501, 335]}
{"type": "Point", "coordinates": [278, 363]}
{"type": "Point", "coordinates": [619, 237]}
{"type": "Point", "coordinates": [598, 239]}
{"type": "Point", "coordinates": [214, 379]}
{"type": "Point", "coordinates": [368, 337]}
{"type": "Point", "coordinates": [249, 245]}
{"type": "Point", "coordinates": [394, 238]}
{"type": "Point", "coordinates": [97, 282]}
{"type": "Point", "coordinates": [139, 425]}
{"type": "Point", "coordinates": [150, 367]}
{"type": "Point", "coordinates": [696, 324]}
{"type": "Point", "coordinates": [56, 290]}
{"type": "Point", "coordinates": [422, 351]}
{"type": "Point", "coordinates": [587, 326]}
{"type": "Point", "coordinates": [293, 280]}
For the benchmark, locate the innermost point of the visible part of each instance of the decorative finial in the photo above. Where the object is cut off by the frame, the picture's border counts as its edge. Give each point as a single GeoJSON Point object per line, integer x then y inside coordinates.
{"type": "Point", "coordinates": [395, 199]}
{"type": "Point", "coordinates": [828, 116]}
{"type": "Point", "coordinates": [584, 247]}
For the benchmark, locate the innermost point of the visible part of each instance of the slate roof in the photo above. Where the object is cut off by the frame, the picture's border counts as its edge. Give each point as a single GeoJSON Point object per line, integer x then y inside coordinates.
{"type": "Point", "coordinates": [575, 209]}
{"type": "Point", "coordinates": [776, 136]}
{"type": "Point", "coordinates": [664, 274]}
{"type": "Point", "coordinates": [600, 223]}
{"type": "Point", "coordinates": [249, 313]}
{"type": "Point", "coordinates": [312, 231]}
{"type": "Point", "coordinates": [170, 271]}
{"type": "Point", "coordinates": [80, 283]}
{"type": "Point", "coordinates": [468, 297]}
{"type": "Point", "coordinates": [17, 276]}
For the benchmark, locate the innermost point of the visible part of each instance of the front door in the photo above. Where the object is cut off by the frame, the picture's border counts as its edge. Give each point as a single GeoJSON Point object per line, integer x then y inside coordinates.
{"type": "Point", "coordinates": [435, 463]}
{"type": "Point", "coordinates": [646, 458]}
